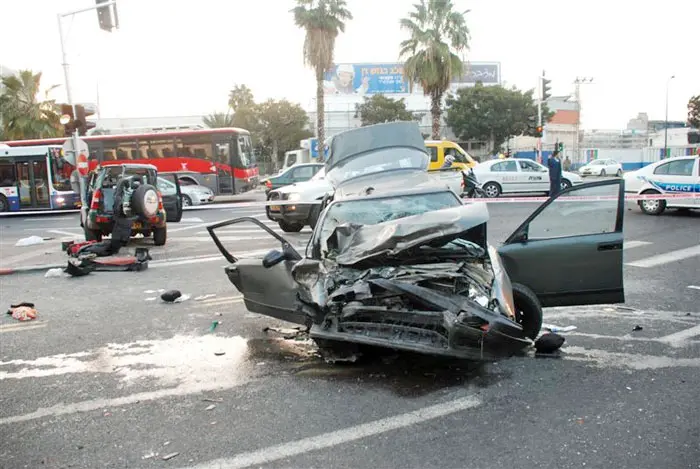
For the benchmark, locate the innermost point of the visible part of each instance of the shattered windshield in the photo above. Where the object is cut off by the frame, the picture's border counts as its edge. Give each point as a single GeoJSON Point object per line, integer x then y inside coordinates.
{"type": "Point", "coordinates": [377, 162]}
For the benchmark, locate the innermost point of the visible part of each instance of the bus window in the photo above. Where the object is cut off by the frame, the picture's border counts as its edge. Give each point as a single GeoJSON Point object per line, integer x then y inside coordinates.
{"type": "Point", "coordinates": [7, 175]}
{"type": "Point", "coordinates": [245, 151]}
{"type": "Point", "coordinates": [119, 150]}
{"type": "Point", "coordinates": [156, 148]}
{"type": "Point", "coordinates": [61, 171]}
{"type": "Point", "coordinates": [194, 146]}
{"type": "Point", "coordinates": [223, 153]}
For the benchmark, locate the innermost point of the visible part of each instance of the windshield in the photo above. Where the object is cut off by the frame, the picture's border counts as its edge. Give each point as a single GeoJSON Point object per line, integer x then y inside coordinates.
{"type": "Point", "coordinates": [376, 162]}
{"type": "Point", "coordinates": [245, 151]}
{"type": "Point", "coordinates": [61, 171]}
{"type": "Point", "coordinates": [374, 211]}
{"type": "Point", "coordinates": [321, 174]}
{"type": "Point", "coordinates": [596, 163]}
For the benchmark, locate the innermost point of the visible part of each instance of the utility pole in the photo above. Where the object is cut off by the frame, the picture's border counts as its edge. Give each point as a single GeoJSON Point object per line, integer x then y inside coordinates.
{"type": "Point", "coordinates": [577, 96]}
{"type": "Point", "coordinates": [668, 82]}
{"type": "Point", "coordinates": [540, 87]}
{"type": "Point", "coordinates": [105, 19]}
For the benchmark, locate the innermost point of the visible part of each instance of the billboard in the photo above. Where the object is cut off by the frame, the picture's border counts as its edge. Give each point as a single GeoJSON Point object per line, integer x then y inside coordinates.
{"type": "Point", "coordinates": [488, 73]}
{"type": "Point", "coordinates": [365, 78]}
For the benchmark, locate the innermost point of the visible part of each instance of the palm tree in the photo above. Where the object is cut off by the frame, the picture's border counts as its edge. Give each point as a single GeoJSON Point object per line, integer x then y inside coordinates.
{"type": "Point", "coordinates": [21, 114]}
{"type": "Point", "coordinates": [218, 120]}
{"type": "Point", "coordinates": [437, 32]}
{"type": "Point", "coordinates": [322, 20]}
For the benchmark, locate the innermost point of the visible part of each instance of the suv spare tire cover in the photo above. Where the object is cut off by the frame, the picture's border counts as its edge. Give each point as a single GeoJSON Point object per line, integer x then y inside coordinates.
{"type": "Point", "coordinates": [144, 201]}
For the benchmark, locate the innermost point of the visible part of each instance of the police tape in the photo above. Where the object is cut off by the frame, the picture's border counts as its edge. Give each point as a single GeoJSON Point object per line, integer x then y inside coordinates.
{"type": "Point", "coordinates": [523, 199]}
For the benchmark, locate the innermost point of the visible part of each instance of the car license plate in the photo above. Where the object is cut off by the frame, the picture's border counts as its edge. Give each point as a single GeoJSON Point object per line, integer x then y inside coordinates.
{"type": "Point", "coordinates": [136, 225]}
{"type": "Point", "coordinates": [275, 208]}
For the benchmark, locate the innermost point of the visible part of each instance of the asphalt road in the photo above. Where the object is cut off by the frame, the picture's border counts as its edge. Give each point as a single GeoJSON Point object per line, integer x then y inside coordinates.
{"type": "Point", "coordinates": [106, 377]}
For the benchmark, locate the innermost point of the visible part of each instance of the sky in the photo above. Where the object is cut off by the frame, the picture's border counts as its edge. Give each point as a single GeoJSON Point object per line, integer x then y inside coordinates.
{"type": "Point", "coordinates": [180, 58]}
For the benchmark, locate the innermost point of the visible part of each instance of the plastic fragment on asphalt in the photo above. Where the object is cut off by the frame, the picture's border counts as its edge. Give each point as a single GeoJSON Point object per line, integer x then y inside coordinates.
{"type": "Point", "coordinates": [149, 455]}
{"type": "Point", "coordinates": [182, 298]}
{"type": "Point", "coordinates": [152, 298]}
{"type": "Point", "coordinates": [169, 456]}
{"type": "Point", "coordinates": [213, 326]}
{"type": "Point", "coordinates": [30, 241]}
{"type": "Point", "coordinates": [211, 407]}
{"type": "Point", "coordinates": [554, 328]}
{"type": "Point", "coordinates": [637, 328]}
{"type": "Point", "coordinates": [57, 272]}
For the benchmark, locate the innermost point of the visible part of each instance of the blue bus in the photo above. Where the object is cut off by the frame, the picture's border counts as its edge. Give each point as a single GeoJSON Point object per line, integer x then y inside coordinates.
{"type": "Point", "coordinates": [36, 178]}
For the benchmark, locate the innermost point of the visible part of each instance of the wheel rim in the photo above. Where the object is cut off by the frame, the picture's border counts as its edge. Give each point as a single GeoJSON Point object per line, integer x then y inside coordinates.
{"type": "Point", "coordinates": [186, 202]}
{"type": "Point", "coordinates": [491, 191]}
{"type": "Point", "coordinates": [3, 207]}
{"type": "Point", "coordinates": [565, 185]}
{"type": "Point", "coordinates": [651, 205]}
{"type": "Point", "coordinates": [150, 203]}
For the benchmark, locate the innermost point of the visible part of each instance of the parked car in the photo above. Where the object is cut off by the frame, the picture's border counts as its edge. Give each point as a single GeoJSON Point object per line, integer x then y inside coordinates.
{"type": "Point", "coordinates": [297, 173]}
{"type": "Point", "coordinates": [515, 175]}
{"type": "Point", "coordinates": [601, 168]}
{"type": "Point", "coordinates": [399, 261]}
{"type": "Point", "coordinates": [679, 175]}
{"type": "Point", "coordinates": [191, 193]}
{"type": "Point", "coordinates": [138, 196]}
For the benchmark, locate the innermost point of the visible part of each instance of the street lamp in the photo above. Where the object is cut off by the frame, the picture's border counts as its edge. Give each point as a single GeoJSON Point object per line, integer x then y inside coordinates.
{"type": "Point", "coordinates": [668, 82]}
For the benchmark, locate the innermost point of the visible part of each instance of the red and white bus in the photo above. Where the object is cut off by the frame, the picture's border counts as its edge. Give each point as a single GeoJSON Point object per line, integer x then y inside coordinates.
{"type": "Point", "coordinates": [223, 157]}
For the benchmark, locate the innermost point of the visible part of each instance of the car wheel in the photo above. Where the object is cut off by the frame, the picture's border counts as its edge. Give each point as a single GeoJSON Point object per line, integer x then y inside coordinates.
{"type": "Point", "coordinates": [565, 184]}
{"type": "Point", "coordinates": [652, 207]}
{"type": "Point", "coordinates": [288, 227]}
{"type": "Point", "coordinates": [144, 201]}
{"type": "Point", "coordinates": [618, 173]}
{"type": "Point", "coordinates": [92, 235]}
{"type": "Point", "coordinates": [492, 190]}
{"type": "Point", "coordinates": [528, 310]}
{"type": "Point", "coordinates": [313, 216]}
{"type": "Point", "coordinates": [160, 235]}
{"type": "Point", "coordinates": [186, 201]}
{"type": "Point", "coordinates": [603, 173]}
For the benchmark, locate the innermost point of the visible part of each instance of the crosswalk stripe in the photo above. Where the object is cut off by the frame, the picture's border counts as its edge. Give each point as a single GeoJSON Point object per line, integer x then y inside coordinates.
{"type": "Point", "coordinates": [667, 258]}
{"type": "Point", "coordinates": [22, 326]}
{"type": "Point", "coordinates": [200, 304]}
{"type": "Point", "coordinates": [634, 244]}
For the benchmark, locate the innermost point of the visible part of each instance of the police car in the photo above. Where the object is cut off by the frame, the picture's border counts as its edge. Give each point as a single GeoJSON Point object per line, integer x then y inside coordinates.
{"type": "Point", "coordinates": [678, 175]}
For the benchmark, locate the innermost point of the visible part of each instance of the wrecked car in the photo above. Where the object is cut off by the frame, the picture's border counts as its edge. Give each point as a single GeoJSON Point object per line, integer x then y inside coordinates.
{"type": "Point", "coordinates": [399, 261]}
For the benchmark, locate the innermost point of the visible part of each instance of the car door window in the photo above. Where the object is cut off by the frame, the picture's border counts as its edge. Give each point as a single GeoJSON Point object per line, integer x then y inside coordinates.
{"type": "Point", "coordinates": [303, 173]}
{"type": "Point", "coordinates": [166, 187]}
{"type": "Point", "coordinates": [505, 166]}
{"type": "Point", "coordinates": [529, 166]}
{"type": "Point", "coordinates": [676, 168]}
{"type": "Point", "coordinates": [563, 218]}
{"type": "Point", "coordinates": [433, 154]}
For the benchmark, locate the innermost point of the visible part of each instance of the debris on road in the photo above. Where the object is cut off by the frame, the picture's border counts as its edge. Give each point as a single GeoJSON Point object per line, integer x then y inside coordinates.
{"type": "Point", "coordinates": [23, 311]}
{"type": "Point", "coordinates": [169, 456]}
{"type": "Point", "coordinates": [213, 325]}
{"type": "Point", "coordinates": [57, 272]}
{"type": "Point", "coordinates": [637, 328]}
{"type": "Point", "coordinates": [220, 353]}
{"type": "Point", "coordinates": [211, 407]}
{"type": "Point", "coordinates": [184, 297]}
{"type": "Point", "coordinates": [30, 241]}
{"type": "Point", "coordinates": [549, 343]}
{"type": "Point", "coordinates": [149, 455]}
{"type": "Point", "coordinates": [170, 296]}
{"type": "Point", "coordinates": [289, 333]}
{"type": "Point", "coordinates": [553, 328]}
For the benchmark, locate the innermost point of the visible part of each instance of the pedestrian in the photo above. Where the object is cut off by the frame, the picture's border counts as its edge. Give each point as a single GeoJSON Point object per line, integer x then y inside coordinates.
{"type": "Point", "coordinates": [567, 164]}
{"type": "Point", "coordinates": [554, 165]}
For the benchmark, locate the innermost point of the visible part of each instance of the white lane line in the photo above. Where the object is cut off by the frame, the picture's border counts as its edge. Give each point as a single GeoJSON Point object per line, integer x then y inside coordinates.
{"type": "Point", "coordinates": [19, 327]}
{"type": "Point", "coordinates": [22, 257]}
{"type": "Point", "coordinates": [667, 258]}
{"type": "Point", "coordinates": [191, 227]}
{"type": "Point", "coordinates": [679, 338]}
{"type": "Point", "coordinates": [199, 239]}
{"type": "Point", "coordinates": [634, 244]}
{"type": "Point", "coordinates": [328, 440]}
{"type": "Point", "coordinates": [191, 220]}
{"type": "Point", "coordinates": [694, 287]}
{"type": "Point", "coordinates": [47, 228]}
{"type": "Point", "coordinates": [47, 219]}
{"type": "Point", "coordinates": [67, 233]}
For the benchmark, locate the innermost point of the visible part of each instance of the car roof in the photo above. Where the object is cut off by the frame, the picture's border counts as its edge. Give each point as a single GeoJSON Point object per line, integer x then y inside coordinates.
{"type": "Point", "coordinates": [129, 165]}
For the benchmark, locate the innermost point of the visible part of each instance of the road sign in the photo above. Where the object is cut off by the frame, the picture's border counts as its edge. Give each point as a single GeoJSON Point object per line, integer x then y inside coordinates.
{"type": "Point", "coordinates": [78, 158]}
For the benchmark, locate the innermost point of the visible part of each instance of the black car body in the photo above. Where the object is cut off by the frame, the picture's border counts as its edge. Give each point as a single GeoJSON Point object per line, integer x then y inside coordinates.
{"type": "Point", "coordinates": [397, 261]}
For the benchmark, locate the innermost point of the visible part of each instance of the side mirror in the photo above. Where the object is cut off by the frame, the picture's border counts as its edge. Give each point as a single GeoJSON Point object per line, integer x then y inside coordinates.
{"type": "Point", "coordinates": [272, 258]}
{"type": "Point", "coordinates": [521, 236]}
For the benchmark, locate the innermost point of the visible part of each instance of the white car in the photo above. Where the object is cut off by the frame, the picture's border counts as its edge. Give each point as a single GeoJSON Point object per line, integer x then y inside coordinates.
{"type": "Point", "coordinates": [679, 175]}
{"type": "Point", "coordinates": [601, 168]}
{"type": "Point", "coordinates": [192, 194]}
{"type": "Point", "coordinates": [515, 175]}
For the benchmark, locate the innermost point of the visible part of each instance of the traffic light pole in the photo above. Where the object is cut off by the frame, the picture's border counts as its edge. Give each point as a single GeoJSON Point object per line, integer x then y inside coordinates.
{"type": "Point", "coordinates": [539, 123]}
{"type": "Point", "coordinates": [67, 78]}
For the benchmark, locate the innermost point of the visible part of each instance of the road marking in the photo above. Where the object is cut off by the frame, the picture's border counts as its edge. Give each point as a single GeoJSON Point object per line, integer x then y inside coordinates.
{"type": "Point", "coordinates": [667, 258]}
{"type": "Point", "coordinates": [634, 244]}
{"type": "Point", "coordinates": [47, 228]}
{"type": "Point", "coordinates": [694, 287]}
{"type": "Point", "coordinates": [67, 233]}
{"type": "Point", "coordinates": [22, 257]}
{"type": "Point", "coordinates": [201, 304]}
{"type": "Point", "coordinates": [605, 359]}
{"type": "Point", "coordinates": [208, 258]}
{"type": "Point", "coordinates": [22, 326]}
{"type": "Point", "coordinates": [199, 239]}
{"type": "Point", "coordinates": [191, 220]}
{"type": "Point", "coordinates": [677, 339]}
{"type": "Point", "coordinates": [191, 227]}
{"type": "Point", "coordinates": [47, 219]}
{"type": "Point", "coordinates": [267, 455]}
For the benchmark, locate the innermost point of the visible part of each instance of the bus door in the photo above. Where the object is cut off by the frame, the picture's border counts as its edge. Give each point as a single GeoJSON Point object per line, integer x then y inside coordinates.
{"type": "Point", "coordinates": [223, 155]}
{"type": "Point", "coordinates": [33, 182]}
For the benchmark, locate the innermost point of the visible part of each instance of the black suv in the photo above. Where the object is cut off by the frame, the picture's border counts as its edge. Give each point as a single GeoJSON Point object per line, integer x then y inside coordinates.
{"type": "Point", "coordinates": [119, 194]}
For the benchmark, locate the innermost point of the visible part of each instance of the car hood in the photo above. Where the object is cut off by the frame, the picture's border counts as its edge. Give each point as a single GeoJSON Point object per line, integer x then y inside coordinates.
{"type": "Point", "coordinates": [306, 186]}
{"type": "Point", "coordinates": [570, 175]}
{"type": "Point", "coordinates": [352, 244]}
{"type": "Point", "coordinates": [195, 190]}
{"type": "Point", "coordinates": [387, 182]}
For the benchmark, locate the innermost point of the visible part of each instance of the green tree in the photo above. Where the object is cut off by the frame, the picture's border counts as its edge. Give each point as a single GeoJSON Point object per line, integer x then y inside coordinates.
{"type": "Point", "coordinates": [240, 97]}
{"type": "Point", "coordinates": [379, 108]}
{"type": "Point", "coordinates": [218, 120]}
{"type": "Point", "coordinates": [245, 113]}
{"type": "Point", "coordinates": [23, 116]}
{"type": "Point", "coordinates": [322, 20]}
{"type": "Point", "coordinates": [492, 113]}
{"type": "Point", "coordinates": [437, 31]}
{"type": "Point", "coordinates": [282, 125]}
{"type": "Point", "coordinates": [694, 112]}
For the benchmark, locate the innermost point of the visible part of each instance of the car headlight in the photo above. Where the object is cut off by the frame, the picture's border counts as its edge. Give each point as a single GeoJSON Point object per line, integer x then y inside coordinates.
{"type": "Point", "coordinates": [294, 196]}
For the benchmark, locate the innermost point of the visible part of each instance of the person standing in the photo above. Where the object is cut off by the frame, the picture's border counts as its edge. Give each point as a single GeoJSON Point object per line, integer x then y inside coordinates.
{"type": "Point", "coordinates": [554, 165]}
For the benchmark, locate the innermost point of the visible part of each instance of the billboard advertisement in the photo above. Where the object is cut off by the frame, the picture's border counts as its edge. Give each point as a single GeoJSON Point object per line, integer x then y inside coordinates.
{"type": "Point", "coordinates": [365, 78]}
{"type": "Point", "coordinates": [488, 73]}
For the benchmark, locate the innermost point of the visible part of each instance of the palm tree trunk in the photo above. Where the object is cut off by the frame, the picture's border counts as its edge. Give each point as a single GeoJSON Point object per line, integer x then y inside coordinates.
{"type": "Point", "coordinates": [320, 112]}
{"type": "Point", "coordinates": [435, 111]}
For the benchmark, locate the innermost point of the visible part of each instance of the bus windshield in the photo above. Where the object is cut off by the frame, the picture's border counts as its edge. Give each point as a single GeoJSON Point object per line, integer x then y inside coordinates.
{"type": "Point", "coordinates": [245, 151]}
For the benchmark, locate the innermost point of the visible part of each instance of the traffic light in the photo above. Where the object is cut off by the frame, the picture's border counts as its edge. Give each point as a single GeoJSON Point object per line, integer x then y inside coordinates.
{"type": "Point", "coordinates": [546, 89]}
{"type": "Point", "coordinates": [560, 147]}
{"type": "Point", "coordinates": [107, 16]}
{"type": "Point", "coordinates": [538, 131]}
{"type": "Point", "coordinates": [78, 121]}
{"type": "Point", "coordinates": [67, 119]}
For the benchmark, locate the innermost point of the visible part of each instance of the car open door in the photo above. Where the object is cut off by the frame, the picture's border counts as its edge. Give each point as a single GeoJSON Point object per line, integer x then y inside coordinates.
{"type": "Point", "coordinates": [266, 283]}
{"type": "Point", "coordinates": [569, 251]}
{"type": "Point", "coordinates": [172, 197]}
